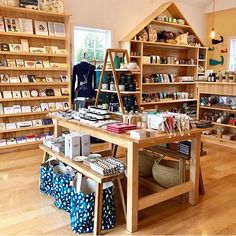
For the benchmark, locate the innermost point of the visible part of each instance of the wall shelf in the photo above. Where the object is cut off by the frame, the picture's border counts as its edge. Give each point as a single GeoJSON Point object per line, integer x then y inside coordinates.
{"type": "Point", "coordinates": [26, 129]}
{"type": "Point", "coordinates": [169, 24]}
{"type": "Point", "coordinates": [166, 102]}
{"type": "Point", "coordinates": [218, 109]}
{"type": "Point", "coordinates": [34, 84]}
{"type": "Point", "coordinates": [168, 65]}
{"type": "Point", "coordinates": [32, 69]}
{"type": "Point", "coordinates": [35, 98]}
{"type": "Point", "coordinates": [20, 54]}
{"type": "Point", "coordinates": [171, 83]}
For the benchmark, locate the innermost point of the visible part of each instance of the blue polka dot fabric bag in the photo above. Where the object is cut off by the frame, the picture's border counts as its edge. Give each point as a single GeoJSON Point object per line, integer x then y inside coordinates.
{"type": "Point", "coordinates": [82, 207]}
{"type": "Point", "coordinates": [62, 186]}
{"type": "Point", "coordinates": [46, 176]}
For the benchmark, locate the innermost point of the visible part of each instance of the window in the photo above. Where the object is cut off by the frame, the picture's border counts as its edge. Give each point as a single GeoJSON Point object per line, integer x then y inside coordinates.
{"type": "Point", "coordinates": [232, 54]}
{"type": "Point", "coordinates": [93, 42]}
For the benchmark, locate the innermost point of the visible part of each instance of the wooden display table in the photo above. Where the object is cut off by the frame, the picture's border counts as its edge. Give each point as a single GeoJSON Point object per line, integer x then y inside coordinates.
{"type": "Point", "coordinates": [99, 179]}
{"type": "Point", "coordinates": [134, 203]}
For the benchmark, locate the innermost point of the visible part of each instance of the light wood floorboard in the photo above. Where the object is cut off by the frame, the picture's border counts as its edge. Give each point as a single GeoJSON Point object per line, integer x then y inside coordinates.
{"type": "Point", "coordinates": [24, 211]}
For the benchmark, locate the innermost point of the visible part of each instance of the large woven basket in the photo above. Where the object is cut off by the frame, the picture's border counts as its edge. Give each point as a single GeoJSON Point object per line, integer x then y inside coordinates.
{"type": "Point", "coordinates": [166, 173]}
{"type": "Point", "coordinates": [146, 161]}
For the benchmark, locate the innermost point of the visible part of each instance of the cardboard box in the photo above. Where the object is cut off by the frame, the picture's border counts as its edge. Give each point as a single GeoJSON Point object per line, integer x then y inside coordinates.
{"type": "Point", "coordinates": [84, 144]}
{"type": "Point", "coordinates": [72, 145]}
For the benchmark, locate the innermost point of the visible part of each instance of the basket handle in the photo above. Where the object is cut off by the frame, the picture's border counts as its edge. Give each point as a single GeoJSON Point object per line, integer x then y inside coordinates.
{"type": "Point", "coordinates": [157, 161]}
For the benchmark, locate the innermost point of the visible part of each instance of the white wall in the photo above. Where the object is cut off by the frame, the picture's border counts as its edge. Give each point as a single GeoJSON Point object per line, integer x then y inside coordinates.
{"type": "Point", "coordinates": [121, 16]}
{"type": "Point", "coordinates": [221, 5]}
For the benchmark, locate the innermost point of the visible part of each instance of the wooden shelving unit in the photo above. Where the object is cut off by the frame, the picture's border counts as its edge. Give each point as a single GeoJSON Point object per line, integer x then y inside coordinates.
{"type": "Point", "coordinates": [140, 50]}
{"type": "Point", "coordinates": [226, 89]}
{"type": "Point", "coordinates": [110, 53]}
{"type": "Point", "coordinates": [34, 40]}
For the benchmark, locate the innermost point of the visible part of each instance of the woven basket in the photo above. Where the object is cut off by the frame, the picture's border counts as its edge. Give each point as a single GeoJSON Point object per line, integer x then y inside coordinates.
{"type": "Point", "coordinates": [146, 161]}
{"type": "Point", "coordinates": [166, 173]}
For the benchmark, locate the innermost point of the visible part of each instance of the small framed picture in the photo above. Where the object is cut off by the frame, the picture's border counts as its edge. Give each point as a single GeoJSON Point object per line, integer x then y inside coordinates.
{"type": "Point", "coordinates": [36, 108]}
{"type": "Point", "coordinates": [41, 27]}
{"type": "Point", "coordinates": [11, 62]}
{"type": "Point", "coordinates": [20, 63]}
{"type": "Point", "coordinates": [15, 47]}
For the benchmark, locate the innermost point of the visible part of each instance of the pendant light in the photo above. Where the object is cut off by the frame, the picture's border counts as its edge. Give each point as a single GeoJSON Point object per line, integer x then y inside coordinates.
{"type": "Point", "coordinates": [213, 33]}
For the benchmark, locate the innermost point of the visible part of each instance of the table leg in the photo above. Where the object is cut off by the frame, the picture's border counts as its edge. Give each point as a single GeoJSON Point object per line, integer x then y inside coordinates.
{"type": "Point", "coordinates": [57, 129]}
{"type": "Point", "coordinates": [195, 169]}
{"type": "Point", "coordinates": [98, 210]}
{"type": "Point", "coordinates": [132, 187]}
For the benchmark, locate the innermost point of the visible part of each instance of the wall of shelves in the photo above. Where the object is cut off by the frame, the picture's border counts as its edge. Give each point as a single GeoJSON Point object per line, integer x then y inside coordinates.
{"type": "Point", "coordinates": [141, 51]}
{"type": "Point", "coordinates": [34, 40]}
{"type": "Point", "coordinates": [224, 89]}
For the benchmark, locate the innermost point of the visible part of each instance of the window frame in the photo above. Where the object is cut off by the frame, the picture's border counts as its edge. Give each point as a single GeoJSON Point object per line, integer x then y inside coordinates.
{"type": "Point", "coordinates": [229, 54]}
{"type": "Point", "coordinates": [107, 33]}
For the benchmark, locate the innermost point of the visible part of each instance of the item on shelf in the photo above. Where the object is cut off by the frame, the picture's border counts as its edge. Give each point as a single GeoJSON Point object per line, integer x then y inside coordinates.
{"type": "Point", "coordinates": [11, 62]}
{"type": "Point", "coordinates": [5, 47]}
{"type": "Point", "coordinates": [143, 35]}
{"type": "Point", "coordinates": [41, 28]}
{"type": "Point", "coordinates": [31, 4]}
{"type": "Point", "coordinates": [45, 5]}
{"type": "Point", "coordinates": [24, 124]}
{"type": "Point", "coordinates": [26, 109]}
{"type": "Point", "coordinates": [25, 45]}
{"type": "Point", "coordinates": [4, 79]}
{"type": "Point", "coordinates": [24, 79]}
{"type": "Point", "coordinates": [30, 64]}
{"type": "Point", "coordinates": [152, 34]}
{"type": "Point", "coordinates": [49, 92]}
{"type": "Point", "coordinates": [15, 47]}
{"type": "Point", "coordinates": [12, 25]}
{"type": "Point", "coordinates": [13, 3]}
{"type": "Point", "coordinates": [37, 50]}
{"type": "Point", "coordinates": [26, 26]}
{"type": "Point", "coordinates": [3, 2]}
{"type": "Point", "coordinates": [59, 29]}
{"type": "Point", "coordinates": [20, 63]}
{"type": "Point", "coordinates": [16, 94]}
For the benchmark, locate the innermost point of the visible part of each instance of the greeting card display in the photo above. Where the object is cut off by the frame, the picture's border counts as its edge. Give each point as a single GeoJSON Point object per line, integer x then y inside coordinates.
{"type": "Point", "coordinates": [14, 79]}
{"type": "Point", "coordinates": [4, 78]}
{"type": "Point", "coordinates": [26, 26]}
{"type": "Point", "coordinates": [5, 47]}
{"type": "Point", "coordinates": [41, 27]}
{"type": "Point", "coordinates": [12, 25]}
{"type": "Point", "coordinates": [11, 62]}
{"type": "Point", "coordinates": [15, 47]}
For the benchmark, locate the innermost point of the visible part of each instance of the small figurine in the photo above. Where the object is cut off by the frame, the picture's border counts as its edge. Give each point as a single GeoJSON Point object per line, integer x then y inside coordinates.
{"type": "Point", "coordinates": [46, 5]}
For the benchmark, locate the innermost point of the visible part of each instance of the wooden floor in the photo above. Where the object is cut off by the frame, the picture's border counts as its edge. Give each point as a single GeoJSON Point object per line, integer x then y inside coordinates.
{"type": "Point", "coordinates": [24, 211]}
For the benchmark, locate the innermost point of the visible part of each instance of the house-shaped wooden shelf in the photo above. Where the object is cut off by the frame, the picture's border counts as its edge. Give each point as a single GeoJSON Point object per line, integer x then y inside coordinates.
{"type": "Point", "coordinates": [169, 68]}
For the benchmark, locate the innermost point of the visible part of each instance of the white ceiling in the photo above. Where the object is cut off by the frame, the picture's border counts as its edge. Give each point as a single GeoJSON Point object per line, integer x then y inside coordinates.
{"type": "Point", "coordinates": [197, 3]}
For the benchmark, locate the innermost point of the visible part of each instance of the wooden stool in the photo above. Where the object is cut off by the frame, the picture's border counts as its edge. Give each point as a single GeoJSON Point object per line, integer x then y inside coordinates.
{"type": "Point", "coordinates": [99, 179]}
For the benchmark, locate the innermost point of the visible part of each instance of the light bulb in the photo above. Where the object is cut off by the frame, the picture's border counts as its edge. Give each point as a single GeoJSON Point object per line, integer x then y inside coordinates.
{"type": "Point", "coordinates": [213, 33]}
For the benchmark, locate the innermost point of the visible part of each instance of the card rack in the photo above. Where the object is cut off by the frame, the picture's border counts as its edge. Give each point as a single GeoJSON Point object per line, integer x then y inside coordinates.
{"type": "Point", "coordinates": [37, 41]}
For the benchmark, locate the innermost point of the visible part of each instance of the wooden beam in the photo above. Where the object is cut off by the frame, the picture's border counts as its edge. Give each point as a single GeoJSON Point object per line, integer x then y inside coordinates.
{"type": "Point", "coordinates": [164, 195]}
